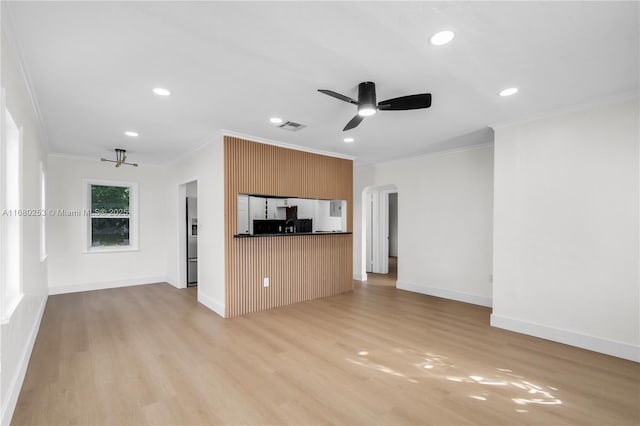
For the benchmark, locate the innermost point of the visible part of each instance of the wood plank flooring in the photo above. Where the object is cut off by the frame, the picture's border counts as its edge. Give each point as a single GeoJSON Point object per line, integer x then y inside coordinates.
{"type": "Point", "coordinates": [376, 356]}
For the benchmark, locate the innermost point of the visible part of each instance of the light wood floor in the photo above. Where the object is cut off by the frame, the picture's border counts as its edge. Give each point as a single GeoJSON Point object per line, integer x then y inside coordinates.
{"type": "Point", "coordinates": [375, 356]}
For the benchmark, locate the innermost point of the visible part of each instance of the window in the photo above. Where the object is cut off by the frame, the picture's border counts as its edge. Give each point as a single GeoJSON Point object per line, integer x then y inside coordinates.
{"type": "Point", "coordinates": [112, 223]}
{"type": "Point", "coordinates": [11, 229]}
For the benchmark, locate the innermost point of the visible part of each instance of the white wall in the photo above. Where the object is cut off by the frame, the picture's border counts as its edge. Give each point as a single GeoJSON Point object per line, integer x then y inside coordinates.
{"type": "Point", "coordinates": [393, 224]}
{"type": "Point", "coordinates": [566, 229]}
{"type": "Point", "coordinates": [322, 219]}
{"type": "Point", "coordinates": [207, 167]}
{"type": "Point", "coordinates": [70, 268]}
{"type": "Point", "coordinates": [444, 222]}
{"type": "Point", "coordinates": [307, 209]}
{"type": "Point", "coordinates": [18, 334]}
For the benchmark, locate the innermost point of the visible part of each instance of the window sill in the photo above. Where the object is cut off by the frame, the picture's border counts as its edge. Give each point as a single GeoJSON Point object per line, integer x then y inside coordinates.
{"type": "Point", "coordinates": [10, 307]}
{"type": "Point", "coordinates": [95, 250]}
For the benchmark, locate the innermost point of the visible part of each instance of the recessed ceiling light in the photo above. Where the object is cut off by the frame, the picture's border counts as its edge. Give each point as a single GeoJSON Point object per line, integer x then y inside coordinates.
{"type": "Point", "coordinates": [275, 120]}
{"type": "Point", "coordinates": [508, 92]}
{"type": "Point", "coordinates": [132, 134]}
{"type": "Point", "coordinates": [160, 91]}
{"type": "Point", "coordinates": [348, 140]}
{"type": "Point", "coordinates": [443, 37]}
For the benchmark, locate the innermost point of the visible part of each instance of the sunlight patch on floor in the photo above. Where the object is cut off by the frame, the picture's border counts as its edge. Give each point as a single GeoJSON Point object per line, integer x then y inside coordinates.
{"type": "Point", "coordinates": [429, 365]}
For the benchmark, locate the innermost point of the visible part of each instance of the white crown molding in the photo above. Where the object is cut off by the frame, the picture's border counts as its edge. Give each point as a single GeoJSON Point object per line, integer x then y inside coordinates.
{"type": "Point", "coordinates": [557, 112]}
{"type": "Point", "coordinates": [610, 100]}
{"type": "Point", "coordinates": [8, 35]}
{"type": "Point", "coordinates": [183, 156]}
{"type": "Point", "coordinates": [285, 145]}
{"type": "Point", "coordinates": [72, 156]}
{"type": "Point", "coordinates": [428, 155]}
{"type": "Point", "coordinates": [202, 145]}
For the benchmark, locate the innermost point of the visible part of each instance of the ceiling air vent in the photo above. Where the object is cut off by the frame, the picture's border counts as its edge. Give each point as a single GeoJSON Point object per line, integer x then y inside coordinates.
{"type": "Point", "coordinates": [291, 126]}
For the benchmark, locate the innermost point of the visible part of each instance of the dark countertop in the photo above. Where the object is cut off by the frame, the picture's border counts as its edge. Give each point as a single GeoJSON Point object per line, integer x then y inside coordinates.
{"type": "Point", "coordinates": [294, 234]}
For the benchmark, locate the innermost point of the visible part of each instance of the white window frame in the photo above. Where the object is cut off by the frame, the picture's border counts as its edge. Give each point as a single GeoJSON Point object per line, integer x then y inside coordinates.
{"type": "Point", "coordinates": [11, 234]}
{"type": "Point", "coordinates": [133, 216]}
{"type": "Point", "coordinates": [3, 320]}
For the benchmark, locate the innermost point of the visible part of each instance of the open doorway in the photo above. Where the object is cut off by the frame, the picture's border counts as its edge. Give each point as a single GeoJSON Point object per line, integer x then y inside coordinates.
{"type": "Point", "coordinates": [188, 236]}
{"type": "Point", "coordinates": [393, 236]}
{"type": "Point", "coordinates": [191, 240]}
{"type": "Point", "coordinates": [380, 236]}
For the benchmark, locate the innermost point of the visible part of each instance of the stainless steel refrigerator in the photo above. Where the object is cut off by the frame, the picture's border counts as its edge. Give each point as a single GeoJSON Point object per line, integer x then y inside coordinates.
{"type": "Point", "coordinates": [192, 241]}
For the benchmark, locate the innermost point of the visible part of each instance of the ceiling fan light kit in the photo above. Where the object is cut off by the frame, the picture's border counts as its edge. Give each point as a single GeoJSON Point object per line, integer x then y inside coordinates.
{"type": "Point", "coordinates": [121, 158]}
{"type": "Point", "coordinates": [367, 99]}
{"type": "Point", "coordinates": [367, 106]}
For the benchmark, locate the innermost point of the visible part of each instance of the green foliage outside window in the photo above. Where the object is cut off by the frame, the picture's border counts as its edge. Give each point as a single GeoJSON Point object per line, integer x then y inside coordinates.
{"type": "Point", "coordinates": [110, 216]}
{"type": "Point", "coordinates": [109, 232]}
{"type": "Point", "coordinates": [110, 199]}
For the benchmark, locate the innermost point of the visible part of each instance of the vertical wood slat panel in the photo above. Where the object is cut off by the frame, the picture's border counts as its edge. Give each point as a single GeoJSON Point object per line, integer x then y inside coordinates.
{"type": "Point", "coordinates": [300, 267]}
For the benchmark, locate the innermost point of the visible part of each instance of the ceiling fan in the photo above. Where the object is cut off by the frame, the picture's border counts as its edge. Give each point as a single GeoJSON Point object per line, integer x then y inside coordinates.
{"type": "Point", "coordinates": [367, 102]}
{"type": "Point", "coordinates": [121, 158]}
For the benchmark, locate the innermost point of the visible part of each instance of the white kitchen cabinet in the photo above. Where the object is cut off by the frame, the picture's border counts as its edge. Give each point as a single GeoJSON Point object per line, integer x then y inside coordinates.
{"type": "Point", "coordinates": [286, 202]}
{"type": "Point", "coordinates": [273, 212]}
{"type": "Point", "coordinates": [243, 214]}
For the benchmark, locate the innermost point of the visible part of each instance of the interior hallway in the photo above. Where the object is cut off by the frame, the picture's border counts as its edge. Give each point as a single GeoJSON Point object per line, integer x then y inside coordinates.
{"type": "Point", "coordinates": [192, 291]}
{"type": "Point", "coordinates": [385, 280]}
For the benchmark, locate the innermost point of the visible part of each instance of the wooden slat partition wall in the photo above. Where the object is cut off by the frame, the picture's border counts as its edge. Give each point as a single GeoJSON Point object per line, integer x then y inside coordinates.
{"type": "Point", "coordinates": [299, 267]}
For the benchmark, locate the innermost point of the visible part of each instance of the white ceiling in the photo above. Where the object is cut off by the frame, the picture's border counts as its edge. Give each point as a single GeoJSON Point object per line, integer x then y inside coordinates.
{"type": "Point", "coordinates": [234, 65]}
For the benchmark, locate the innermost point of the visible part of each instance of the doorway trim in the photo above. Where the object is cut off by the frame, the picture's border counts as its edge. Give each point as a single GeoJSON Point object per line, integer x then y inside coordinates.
{"type": "Point", "coordinates": [383, 240]}
{"type": "Point", "coordinates": [181, 194]}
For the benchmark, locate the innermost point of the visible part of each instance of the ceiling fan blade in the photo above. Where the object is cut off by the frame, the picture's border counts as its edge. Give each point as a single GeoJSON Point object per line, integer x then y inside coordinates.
{"type": "Point", "coordinates": [353, 123]}
{"type": "Point", "coordinates": [338, 96]}
{"type": "Point", "coordinates": [403, 103]}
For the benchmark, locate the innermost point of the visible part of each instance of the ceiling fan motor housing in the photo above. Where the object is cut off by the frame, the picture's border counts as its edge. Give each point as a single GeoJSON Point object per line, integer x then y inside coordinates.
{"type": "Point", "coordinates": [367, 96]}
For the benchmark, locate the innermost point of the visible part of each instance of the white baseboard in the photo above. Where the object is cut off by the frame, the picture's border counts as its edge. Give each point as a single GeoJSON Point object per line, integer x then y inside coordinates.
{"type": "Point", "coordinates": [74, 288]}
{"type": "Point", "coordinates": [211, 303]}
{"type": "Point", "coordinates": [15, 385]}
{"type": "Point", "coordinates": [584, 341]}
{"type": "Point", "coordinates": [173, 283]}
{"type": "Point", "coordinates": [359, 276]}
{"type": "Point", "coordinates": [446, 294]}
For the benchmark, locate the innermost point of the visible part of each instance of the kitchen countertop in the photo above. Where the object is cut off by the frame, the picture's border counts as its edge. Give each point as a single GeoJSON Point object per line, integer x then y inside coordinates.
{"type": "Point", "coordinates": [294, 234]}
